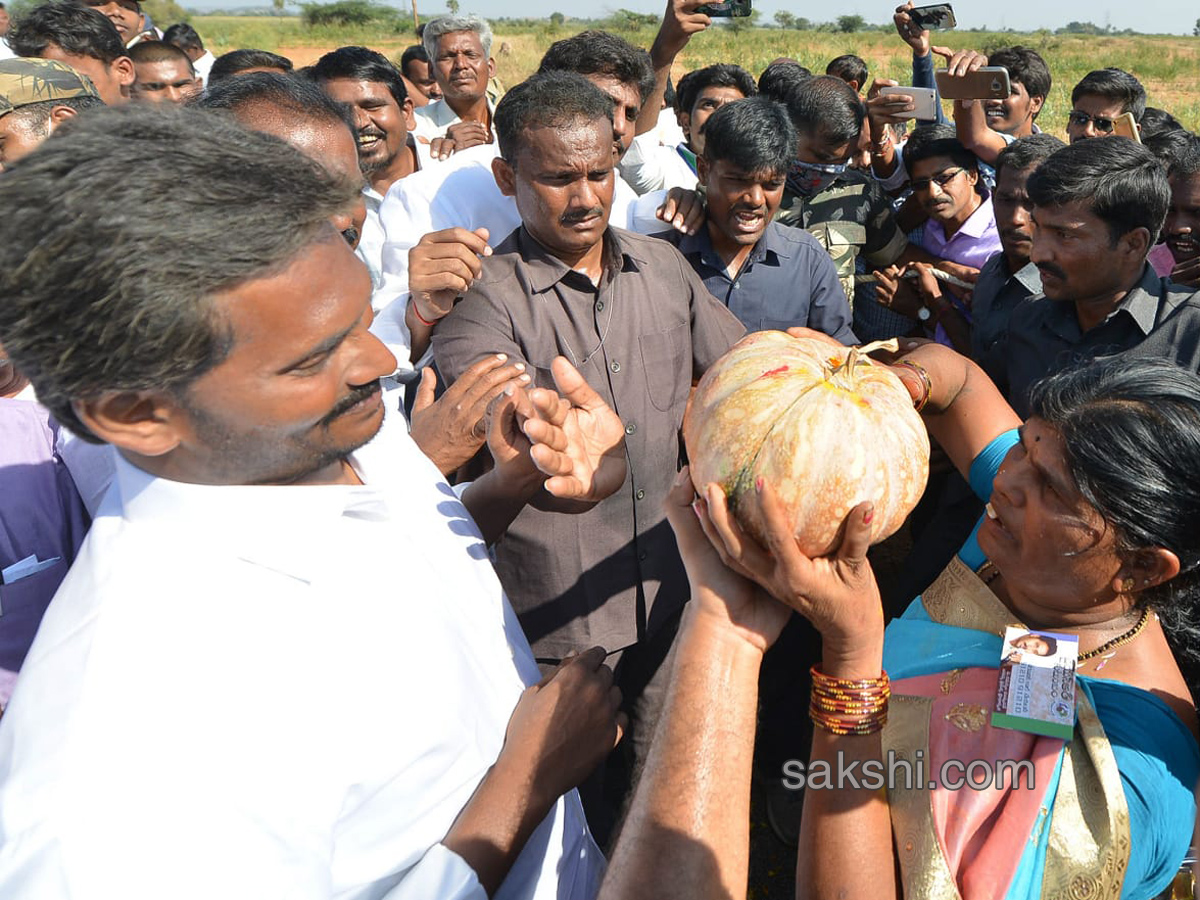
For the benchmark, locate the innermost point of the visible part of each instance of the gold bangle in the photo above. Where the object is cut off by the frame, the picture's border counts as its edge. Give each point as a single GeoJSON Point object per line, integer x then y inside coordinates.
{"type": "Point", "coordinates": [926, 383]}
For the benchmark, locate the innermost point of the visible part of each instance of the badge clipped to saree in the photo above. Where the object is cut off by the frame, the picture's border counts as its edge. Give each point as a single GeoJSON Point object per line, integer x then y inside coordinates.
{"type": "Point", "coordinates": [1036, 689]}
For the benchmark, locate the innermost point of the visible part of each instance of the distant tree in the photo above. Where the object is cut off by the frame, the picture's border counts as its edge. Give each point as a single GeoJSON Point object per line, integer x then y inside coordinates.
{"type": "Point", "coordinates": [785, 19]}
{"type": "Point", "coordinates": [1196, 30]}
{"type": "Point", "coordinates": [557, 18]}
{"type": "Point", "coordinates": [1079, 28]}
{"type": "Point", "coordinates": [850, 24]}
{"type": "Point", "coordinates": [802, 24]}
{"type": "Point", "coordinates": [738, 24]}
{"type": "Point", "coordinates": [452, 5]}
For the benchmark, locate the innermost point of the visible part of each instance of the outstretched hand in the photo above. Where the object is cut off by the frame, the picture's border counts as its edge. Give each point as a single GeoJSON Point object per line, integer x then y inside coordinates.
{"type": "Point", "coordinates": [837, 592]}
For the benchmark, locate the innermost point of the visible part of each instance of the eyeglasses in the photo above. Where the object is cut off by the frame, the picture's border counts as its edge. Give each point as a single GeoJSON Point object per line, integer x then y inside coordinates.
{"type": "Point", "coordinates": [1081, 119]}
{"type": "Point", "coordinates": [941, 179]}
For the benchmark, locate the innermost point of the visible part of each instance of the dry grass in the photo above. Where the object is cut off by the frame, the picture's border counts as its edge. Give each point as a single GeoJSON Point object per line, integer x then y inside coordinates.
{"type": "Point", "coordinates": [1169, 66]}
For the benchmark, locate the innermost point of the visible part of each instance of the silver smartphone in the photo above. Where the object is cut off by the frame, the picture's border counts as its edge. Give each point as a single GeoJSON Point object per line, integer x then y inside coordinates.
{"type": "Point", "coordinates": [924, 101]}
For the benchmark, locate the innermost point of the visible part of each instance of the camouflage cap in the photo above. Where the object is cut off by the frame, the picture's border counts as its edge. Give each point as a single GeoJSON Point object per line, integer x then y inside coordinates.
{"type": "Point", "coordinates": [26, 81]}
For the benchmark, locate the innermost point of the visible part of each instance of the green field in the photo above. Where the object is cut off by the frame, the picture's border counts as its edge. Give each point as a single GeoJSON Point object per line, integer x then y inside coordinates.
{"type": "Point", "coordinates": [1169, 66]}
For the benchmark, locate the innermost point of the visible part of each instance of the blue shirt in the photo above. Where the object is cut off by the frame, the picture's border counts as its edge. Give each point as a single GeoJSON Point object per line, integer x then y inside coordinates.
{"type": "Point", "coordinates": [788, 280]}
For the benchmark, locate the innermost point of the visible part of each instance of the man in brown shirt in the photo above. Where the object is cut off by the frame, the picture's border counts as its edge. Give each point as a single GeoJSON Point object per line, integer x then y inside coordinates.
{"type": "Point", "coordinates": [632, 316]}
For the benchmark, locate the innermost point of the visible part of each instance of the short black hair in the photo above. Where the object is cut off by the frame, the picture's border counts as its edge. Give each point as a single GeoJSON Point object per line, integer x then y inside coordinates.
{"type": "Point", "coordinates": [229, 64]}
{"type": "Point", "coordinates": [778, 79]}
{"type": "Point", "coordinates": [1186, 161]}
{"type": "Point", "coordinates": [159, 51]}
{"type": "Point", "coordinates": [293, 96]}
{"type": "Point", "coordinates": [1028, 152]}
{"type": "Point", "coordinates": [601, 53]}
{"type": "Point", "coordinates": [1168, 145]}
{"type": "Point", "coordinates": [1025, 67]}
{"type": "Point", "coordinates": [931, 140]}
{"type": "Point", "coordinates": [825, 105]}
{"type": "Point", "coordinates": [415, 53]}
{"type": "Point", "coordinates": [547, 99]}
{"type": "Point", "coordinates": [74, 28]}
{"type": "Point", "coordinates": [849, 67]}
{"type": "Point", "coordinates": [754, 134]}
{"type": "Point", "coordinates": [99, 295]}
{"type": "Point", "coordinates": [1155, 121]}
{"type": "Point", "coordinates": [1115, 85]}
{"type": "Point", "coordinates": [360, 64]}
{"type": "Point", "coordinates": [183, 36]}
{"type": "Point", "coordinates": [694, 83]}
{"type": "Point", "coordinates": [1124, 184]}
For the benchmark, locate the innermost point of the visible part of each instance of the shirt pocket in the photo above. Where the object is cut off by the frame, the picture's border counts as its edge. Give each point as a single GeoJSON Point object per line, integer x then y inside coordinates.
{"type": "Point", "coordinates": [22, 604]}
{"type": "Point", "coordinates": [664, 358]}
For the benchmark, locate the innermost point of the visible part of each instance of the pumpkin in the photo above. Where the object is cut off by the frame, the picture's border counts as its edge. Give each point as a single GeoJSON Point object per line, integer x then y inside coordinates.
{"type": "Point", "coordinates": [821, 424]}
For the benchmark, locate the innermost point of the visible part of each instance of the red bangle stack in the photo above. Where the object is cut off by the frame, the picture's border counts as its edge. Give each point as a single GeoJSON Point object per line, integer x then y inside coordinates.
{"type": "Point", "coordinates": [845, 706]}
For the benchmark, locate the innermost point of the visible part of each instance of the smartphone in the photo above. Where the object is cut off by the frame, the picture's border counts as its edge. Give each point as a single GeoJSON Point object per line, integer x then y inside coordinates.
{"type": "Point", "coordinates": [939, 17]}
{"type": "Point", "coordinates": [730, 9]}
{"type": "Point", "coordinates": [1126, 126]}
{"type": "Point", "coordinates": [924, 101]}
{"type": "Point", "coordinates": [986, 83]}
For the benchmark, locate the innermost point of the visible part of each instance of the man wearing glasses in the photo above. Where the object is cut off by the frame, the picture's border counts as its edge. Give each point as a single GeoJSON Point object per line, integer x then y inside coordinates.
{"type": "Point", "coordinates": [1099, 98]}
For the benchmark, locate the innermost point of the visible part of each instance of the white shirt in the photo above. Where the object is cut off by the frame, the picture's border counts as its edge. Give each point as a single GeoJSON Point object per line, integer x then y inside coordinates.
{"type": "Point", "coordinates": [272, 692]}
{"type": "Point", "coordinates": [433, 119]}
{"type": "Point", "coordinates": [5, 50]}
{"type": "Point", "coordinates": [651, 166]}
{"type": "Point", "coordinates": [461, 192]}
{"type": "Point", "coordinates": [203, 66]}
{"type": "Point", "coordinates": [370, 240]}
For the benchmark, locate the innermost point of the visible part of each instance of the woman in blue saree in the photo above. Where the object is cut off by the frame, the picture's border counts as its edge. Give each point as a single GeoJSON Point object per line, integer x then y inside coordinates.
{"type": "Point", "coordinates": [1092, 530]}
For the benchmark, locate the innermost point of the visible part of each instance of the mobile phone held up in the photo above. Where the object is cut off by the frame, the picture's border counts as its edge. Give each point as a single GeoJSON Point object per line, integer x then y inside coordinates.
{"type": "Point", "coordinates": [924, 101]}
{"type": "Point", "coordinates": [1125, 125]}
{"type": "Point", "coordinates": [986, 83]}
{"type": "Point", "coordinates": [730, 9]}
{"type": "Point", "coordinates": [939, 17]}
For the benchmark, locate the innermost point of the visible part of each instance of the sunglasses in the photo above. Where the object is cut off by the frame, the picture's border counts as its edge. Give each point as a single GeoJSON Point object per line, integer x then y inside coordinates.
{"type": "Point", "coordinates": [941, 179]}
{"type": "Point", "coordinates": [1103, 125]}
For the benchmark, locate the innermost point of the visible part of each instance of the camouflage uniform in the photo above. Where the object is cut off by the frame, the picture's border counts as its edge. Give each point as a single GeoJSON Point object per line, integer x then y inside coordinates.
{"type": "Point", "coordinates": [24, 82]}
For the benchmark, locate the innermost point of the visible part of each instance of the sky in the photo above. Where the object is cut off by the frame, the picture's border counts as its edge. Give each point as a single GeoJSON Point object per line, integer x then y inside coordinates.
{"type": "Point", "coordinates": [1147, 16]}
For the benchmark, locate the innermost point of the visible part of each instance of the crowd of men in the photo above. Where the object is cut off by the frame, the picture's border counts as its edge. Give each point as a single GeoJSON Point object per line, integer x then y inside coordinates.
{"type": "Point", "coordinates": [257, 323]}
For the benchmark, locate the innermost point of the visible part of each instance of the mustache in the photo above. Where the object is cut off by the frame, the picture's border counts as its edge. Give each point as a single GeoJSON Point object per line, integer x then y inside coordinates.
{"type": "Point", "coordinates": [371, 131]}
{"type": "Point", "coordinates": [354, 397]}
{"type": "Point", "coordinates": [579, 215]}
{"type": "Point", "coordinates": [1015, 234]}
{"type": "Point", "coordinates": [1051, 269]}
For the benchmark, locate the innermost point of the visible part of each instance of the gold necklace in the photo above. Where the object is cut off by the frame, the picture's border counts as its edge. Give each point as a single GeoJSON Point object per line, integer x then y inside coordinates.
{"type": "Point", "coordinates": [988, 573]}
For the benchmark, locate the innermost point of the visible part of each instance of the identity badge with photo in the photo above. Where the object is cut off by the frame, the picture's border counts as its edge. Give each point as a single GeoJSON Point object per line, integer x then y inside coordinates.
{"type": "Point", "coordinates": [1036, 690]}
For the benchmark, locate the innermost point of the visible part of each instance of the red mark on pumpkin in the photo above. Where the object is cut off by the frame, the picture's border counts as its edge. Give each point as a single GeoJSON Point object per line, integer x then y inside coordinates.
{"type": "Point", "coordinates": [774, 371]}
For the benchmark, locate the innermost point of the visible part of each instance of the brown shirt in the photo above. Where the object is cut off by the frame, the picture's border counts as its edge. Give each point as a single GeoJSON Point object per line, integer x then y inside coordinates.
{"type": "Point", "coordinates": [611, 575]}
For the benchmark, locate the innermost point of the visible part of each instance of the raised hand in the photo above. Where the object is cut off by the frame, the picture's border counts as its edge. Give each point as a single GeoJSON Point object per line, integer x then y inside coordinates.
{"type": "Point", "coordinates": [441, 268]}
{"type": "Point", "coordinates": [683, 210]}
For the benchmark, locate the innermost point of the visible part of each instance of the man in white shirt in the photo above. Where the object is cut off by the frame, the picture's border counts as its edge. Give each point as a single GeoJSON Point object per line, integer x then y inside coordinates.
{"type": "Point", "coordinates": [5, 50]}
{"type": "Point", "coordinates": [282, 665]}
{"type": "Point", "coordinates": [460, 51]}
{"type": "Point", "coordinates": [187, 39]}
{"type": "Point", "coordinates": [373, 89]}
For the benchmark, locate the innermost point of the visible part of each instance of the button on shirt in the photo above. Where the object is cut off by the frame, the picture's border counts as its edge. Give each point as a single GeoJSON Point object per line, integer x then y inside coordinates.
{"type": "Point", "coordinates": [997, 293]}
{"type": "Point", "coordinates": [1156, 319]}
{"type": "Point", "coordinates": [975, 241]}
{"type": "Point", "coordinates": [578, 580]}
{"type": "Point", "coordinates": [272, 691]}
{"type": "Point", "coordinates": [787, 280]}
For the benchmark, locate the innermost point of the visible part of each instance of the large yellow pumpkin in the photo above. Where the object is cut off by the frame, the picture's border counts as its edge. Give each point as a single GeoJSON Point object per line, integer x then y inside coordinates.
{"type": "Point", "coordinates": [822, 425]}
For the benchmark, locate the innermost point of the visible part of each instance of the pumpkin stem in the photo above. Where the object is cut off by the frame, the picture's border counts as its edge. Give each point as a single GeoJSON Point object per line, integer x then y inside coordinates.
{"type": "Point", "coordinates": [847, 368]}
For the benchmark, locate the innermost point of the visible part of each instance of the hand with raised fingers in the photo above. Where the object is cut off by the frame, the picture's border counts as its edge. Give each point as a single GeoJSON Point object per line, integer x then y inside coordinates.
{"type": "Point", "coordinates": [683, 210]}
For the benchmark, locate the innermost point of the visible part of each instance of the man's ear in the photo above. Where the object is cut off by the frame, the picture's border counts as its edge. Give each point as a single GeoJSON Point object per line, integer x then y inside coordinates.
{"type": "Point", "coordinates": [1035, 105]}
{"type": "Point", "coordinates": [491, 67]}
{"type": "Point", "coordinates": [1135, 243]}
{"type": "Point", "coordinates": [143, 422]}
{"type": "Point", "coordinates": [408, 111]}
{"type": "Point", "coordinates": [58, 115]}
{"type": "Point", "coordinates": [702, 170]}
{"type": "Point", "coordinates": [685, 122]}
{"type": "Point", "coordinates": [506, 177]}
{"type": "Point", "coordinates": [124, 71]}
